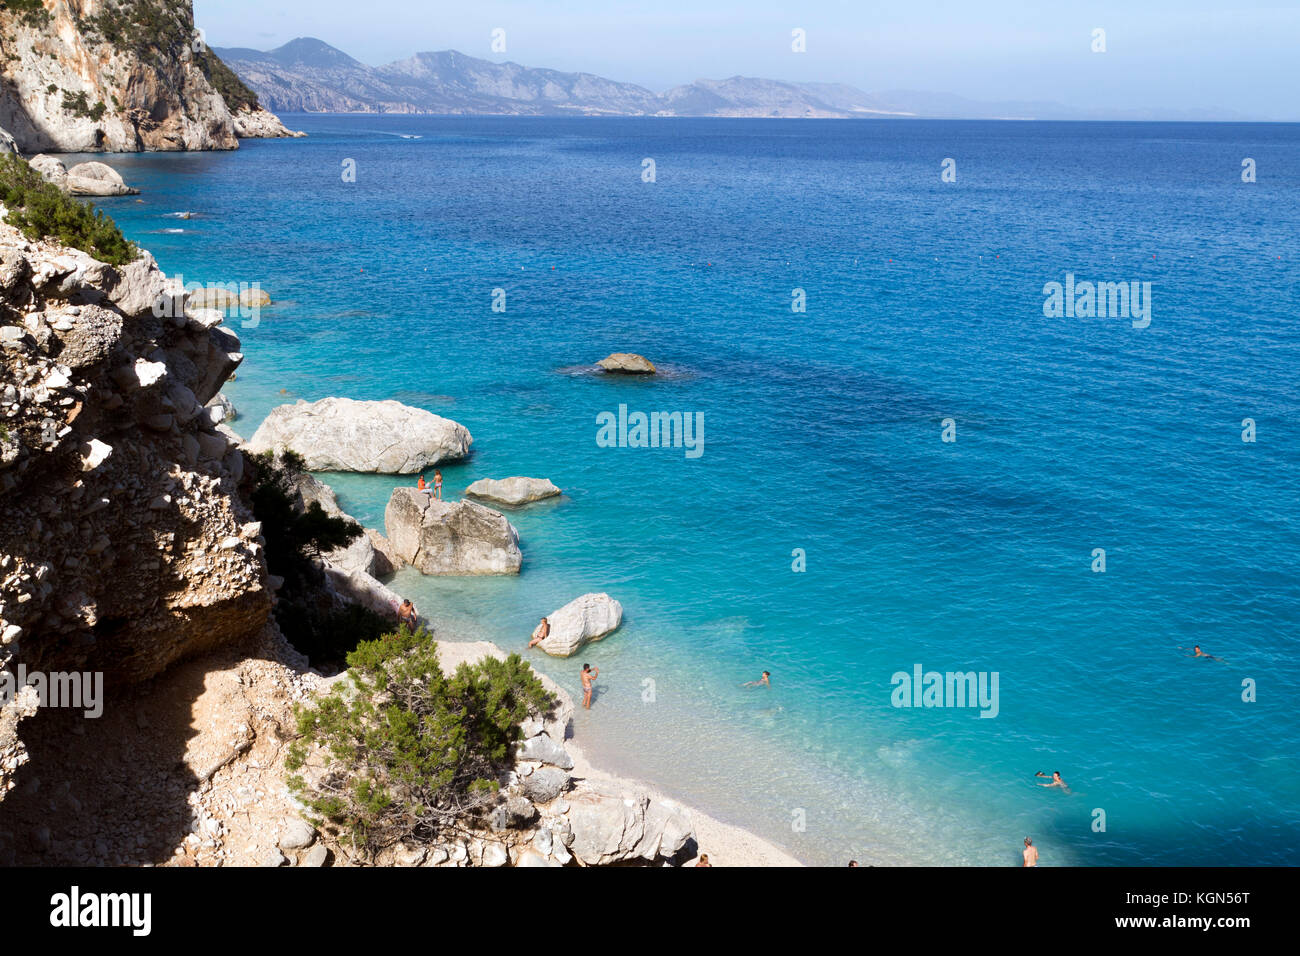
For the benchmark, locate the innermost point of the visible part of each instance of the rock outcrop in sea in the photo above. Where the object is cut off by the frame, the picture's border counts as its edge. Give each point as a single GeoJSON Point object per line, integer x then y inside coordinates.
{"type": "Point", "coordinates": [450, 537]}
{"type": "Point", "coordinates": [339, 434]}
{"type": "Point", "coordinates": [512, 491]}
{"type": "Point", "coordinates": [584, 619]}
{"type": "Point", "coordinates": [119, 76]}
{"type": "Point", "coordinates": [83, 179]}
{"type": "Point", "coordinates": [627, 363]}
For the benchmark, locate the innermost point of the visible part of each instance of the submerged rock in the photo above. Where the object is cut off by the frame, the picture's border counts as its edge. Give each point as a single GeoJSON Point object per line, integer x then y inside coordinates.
{"type": "Point", "coordinates": [627, 363]}
{"type": "Point", "coordinates": [512, 491]}
{"type": "Point", "coordinates": [443, 537]}
{"type": "Point", "coordinates": [339, 434]}
{"type": "Point", "coordinates": [588, 618]}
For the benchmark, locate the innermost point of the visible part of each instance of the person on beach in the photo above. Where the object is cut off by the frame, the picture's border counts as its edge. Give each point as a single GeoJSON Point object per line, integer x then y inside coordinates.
{"type": "Point", "coordinates": [1031, 853]}
{"type": "Point", "coordinates": [406, 615]}
{"type": "Point", "coordinates": [589, 674]}
{"type": "Point", "coordinates": [704, 860]}
{"type": "Point", "coordinates": [1056, 780]}
{"type": "Point", "coordinates": [540, 633]}
{"type": "Point", "coordinates": [763, 681]}
{"type": "Point", "coordinates": [437, 484]}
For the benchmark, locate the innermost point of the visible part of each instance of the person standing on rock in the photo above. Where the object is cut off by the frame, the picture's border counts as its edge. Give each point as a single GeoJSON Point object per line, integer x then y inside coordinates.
{"type": "Point", "coordinates": [540, 633]}
{"type": "Point", "coordinates": [437, 484]}
{"type": "Point", "coordinates": [589, 674]}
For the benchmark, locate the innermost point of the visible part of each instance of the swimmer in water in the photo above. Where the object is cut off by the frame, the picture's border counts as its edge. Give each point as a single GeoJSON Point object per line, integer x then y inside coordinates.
{"type": "Point", "coordinates": [1197, 652]}
{"type": "Point", "coordinates": [1056, 780]}
{"type": "Point", "coordinates": [761, 682]}
{"type": "Point", "coordinates": [1031, 852]}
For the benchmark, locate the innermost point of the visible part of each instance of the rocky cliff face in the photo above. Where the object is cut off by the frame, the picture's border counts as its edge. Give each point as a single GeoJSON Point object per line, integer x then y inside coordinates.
{"type": "Point", "coordinates": [116, 75]}
{"type": "Point", "coordinates": [124, 545]}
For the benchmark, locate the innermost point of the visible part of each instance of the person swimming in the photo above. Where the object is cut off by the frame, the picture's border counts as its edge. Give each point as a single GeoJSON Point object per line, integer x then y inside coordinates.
{"type": "Point", "coordinates": [1197, 652]}
{"type": "Point", "coordinates": [763, 681]}
{"type": "Point", "coordinates": [1056, 780]}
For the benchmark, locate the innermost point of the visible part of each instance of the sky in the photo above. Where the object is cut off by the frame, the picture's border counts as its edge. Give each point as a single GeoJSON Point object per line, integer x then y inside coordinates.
{"type": "Point", "coordinates": [1236, 55]}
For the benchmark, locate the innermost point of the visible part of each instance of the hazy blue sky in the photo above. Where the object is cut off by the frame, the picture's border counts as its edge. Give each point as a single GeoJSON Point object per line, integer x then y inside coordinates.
{"type": "Point", "coordinates": [1180, 54]}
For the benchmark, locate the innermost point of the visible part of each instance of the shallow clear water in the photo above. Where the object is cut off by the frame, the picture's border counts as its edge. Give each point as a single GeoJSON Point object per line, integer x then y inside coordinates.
{"type": "Point", "coordinates": [823, 432]}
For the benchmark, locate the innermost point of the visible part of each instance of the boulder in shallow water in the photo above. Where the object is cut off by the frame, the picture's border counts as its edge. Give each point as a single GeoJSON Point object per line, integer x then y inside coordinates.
{"type": "Point", "coordinates": [97, 179]}
{"type": "Point", "coordinates": [254, 298]}
{"type": "Point", "coordinates": [339, 434]}
{"type": "Point", "coordinates": [211, 297]}
{"type": "Point", "coordinates": [512, 491]}
{"type": "Point", "coordinates": [627, 363]}
{"type": "Point", "coordinates": [445, 537]}
{"type": "Point", "coordinates": [588, 618]}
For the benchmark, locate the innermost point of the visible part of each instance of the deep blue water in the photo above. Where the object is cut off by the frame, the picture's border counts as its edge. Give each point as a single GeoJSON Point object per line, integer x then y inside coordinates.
{"type": "Point", "coordinates": [823, 433]}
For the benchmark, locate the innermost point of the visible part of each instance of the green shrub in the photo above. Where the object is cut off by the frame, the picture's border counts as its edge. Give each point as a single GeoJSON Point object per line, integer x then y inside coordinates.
{"type": "Point", "coordinates": [41, 210]}
{"type": "Point", "coordinates": [328, 636]}
{"type": "Point", "coordinates": [31, 13]}
{"type": "Point", "coordinates": [293, 538]}
{"type": "Point", "coordinates": [78, 105]}
{"type": "Point", "coordinates": [412, 752]}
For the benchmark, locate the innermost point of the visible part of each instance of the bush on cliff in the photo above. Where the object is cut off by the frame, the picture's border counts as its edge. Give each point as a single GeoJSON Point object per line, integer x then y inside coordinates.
{"type": "Point", "coordinates": [226, 82]}
{"type": "Point", "coordinates": [412, 752]}
{"type": "Point", "coordinates": [42, 211]}
{"type": "Point", "coordinates": [293, 537]}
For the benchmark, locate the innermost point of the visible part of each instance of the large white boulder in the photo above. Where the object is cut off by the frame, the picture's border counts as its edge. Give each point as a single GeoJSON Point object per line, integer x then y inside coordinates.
{"type": "Point", "coordinates": [588, 618]}
{"type": "Point", "coordinates": [51, 169]}
{"type": "Point", "coordinates": [613, 822]}
{"type": "Point", "coordinates": [445, 537]}
{"type": "Point", "coordinates": [512, 491]}
{"type": "Point", "coordinates": [339, 434]}
{"type": "Point", "coordinates": [97, 179]}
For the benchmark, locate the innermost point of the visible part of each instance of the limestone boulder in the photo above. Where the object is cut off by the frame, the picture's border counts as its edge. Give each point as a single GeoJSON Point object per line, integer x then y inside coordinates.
{"type": "Point", "coordinates": [339, 434]}
{"type": "Point", "coordinates": [513, 491]}
{"type": "Point", "coordinates": [613, 822]}
{"type": "Point", "coordinates": [51, 169]}
{"type": "Point", "coordinates": [444, 537]}
{"type": "Point", "coordinates": [588, 618]}
{"type": "Point", "coordinates": [545, 784]}
{"type": "Point", "coordinates": [97, 179]}
{"type": "Point", "coordinates": [627, 363]}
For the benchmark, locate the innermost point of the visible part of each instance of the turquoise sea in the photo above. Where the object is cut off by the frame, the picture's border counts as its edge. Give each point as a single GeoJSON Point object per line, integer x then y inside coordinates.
{"type": "Point", "coordinates": [823, 431]}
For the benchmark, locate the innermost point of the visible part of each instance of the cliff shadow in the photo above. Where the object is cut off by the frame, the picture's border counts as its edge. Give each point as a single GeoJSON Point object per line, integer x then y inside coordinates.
{"type": "Point", "coordinates": [116, 790]}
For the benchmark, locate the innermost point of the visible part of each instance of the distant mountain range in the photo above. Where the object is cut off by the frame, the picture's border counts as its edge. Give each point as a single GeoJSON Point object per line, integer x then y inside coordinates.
{"type": "Point", "coordinates": [310, 76]}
